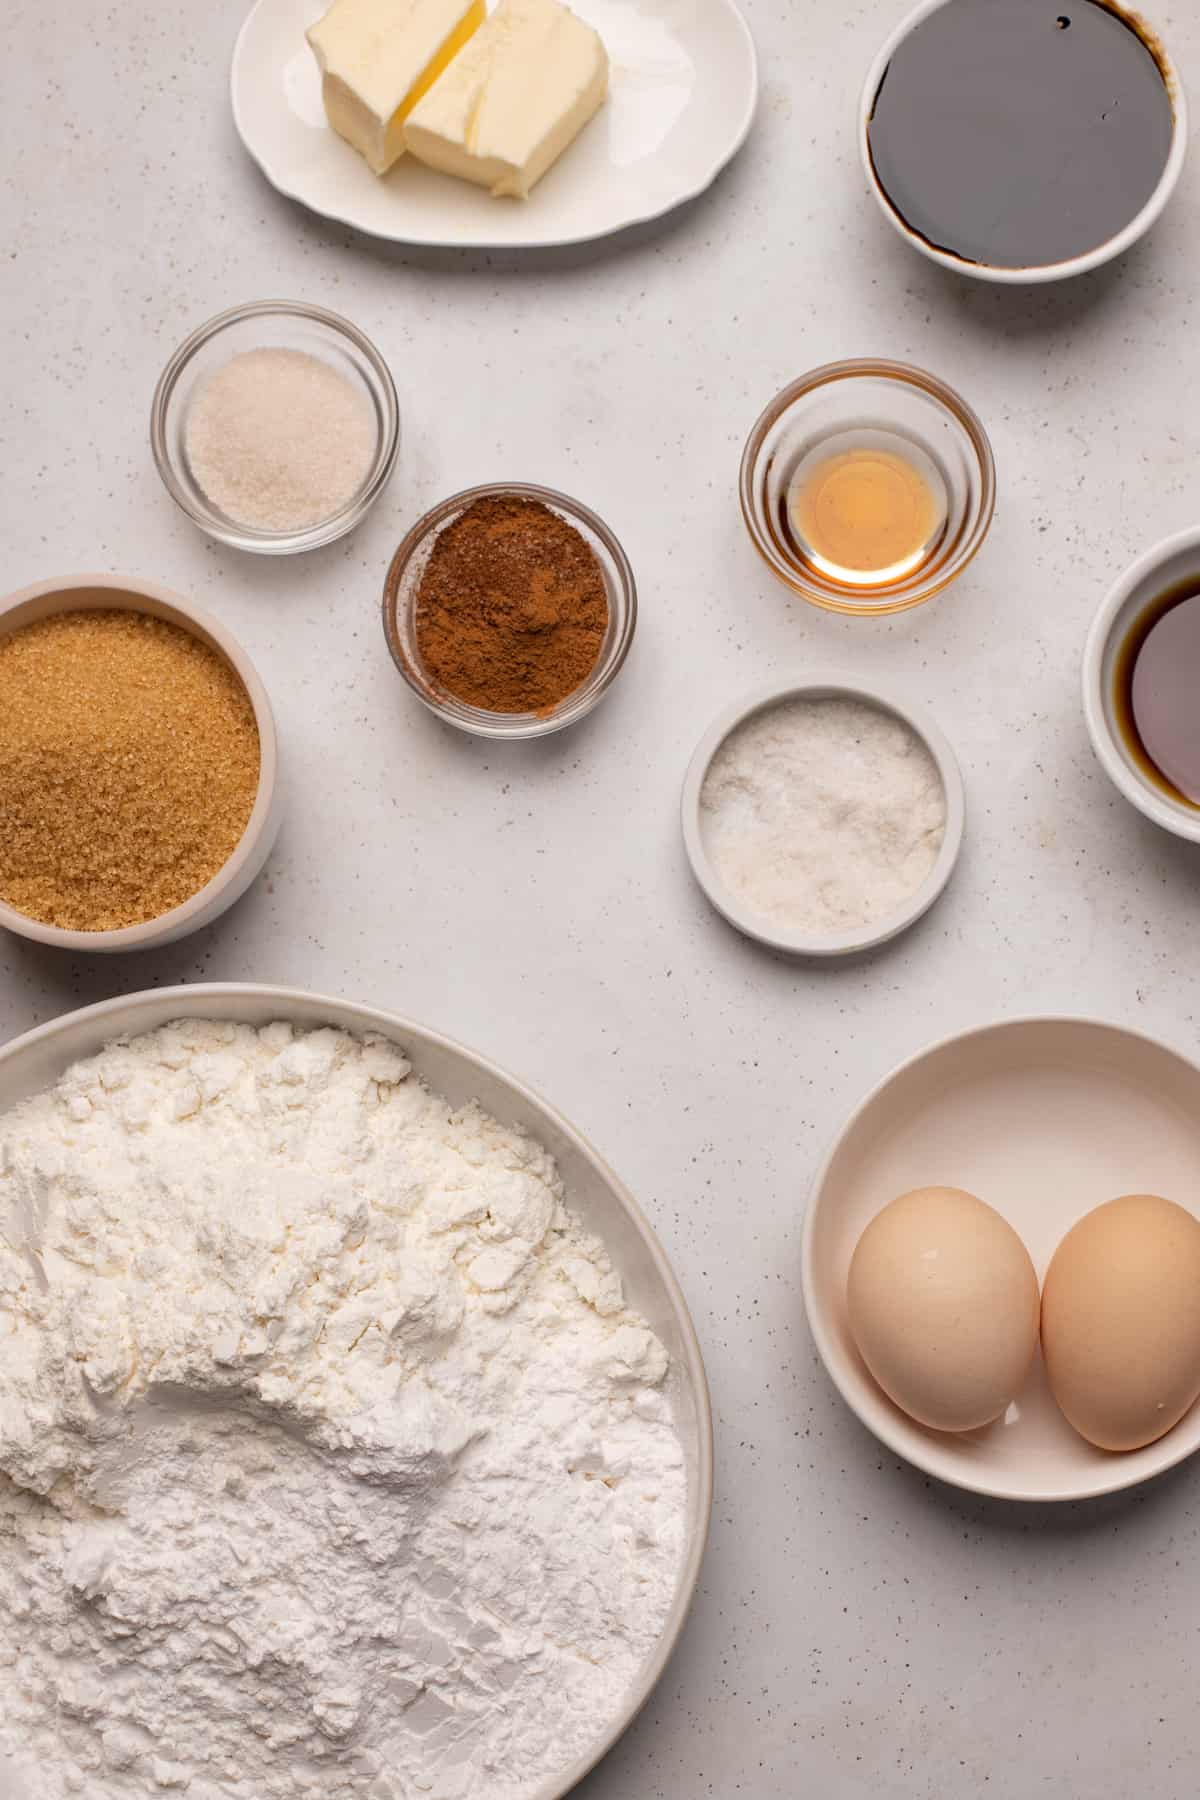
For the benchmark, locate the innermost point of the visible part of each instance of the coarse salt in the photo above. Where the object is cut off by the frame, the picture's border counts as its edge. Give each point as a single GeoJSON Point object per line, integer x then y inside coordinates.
{"type": "Point", "coordinates": [279, 440]}
{"type": "Point", "coordinates": [823, 815]}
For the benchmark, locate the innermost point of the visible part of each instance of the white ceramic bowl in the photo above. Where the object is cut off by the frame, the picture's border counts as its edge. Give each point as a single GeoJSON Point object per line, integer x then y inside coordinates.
{"type": "Point", "coordinates": [86, 593]}
{"type": "Point", "coordinates": [1044, 1119]}
{"type": "Point", "coordinates": [33, 1062]}
{"type": "Point", "coordinates": [1059, 271]}
{"type": "Point", "coordinates": [1167, 565]}
{"type": "Point", "coordinates": [766, 931]}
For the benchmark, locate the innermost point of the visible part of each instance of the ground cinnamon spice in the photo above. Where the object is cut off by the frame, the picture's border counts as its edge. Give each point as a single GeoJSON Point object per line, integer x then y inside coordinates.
{"type": "Point", "coordinates": [512, 607]}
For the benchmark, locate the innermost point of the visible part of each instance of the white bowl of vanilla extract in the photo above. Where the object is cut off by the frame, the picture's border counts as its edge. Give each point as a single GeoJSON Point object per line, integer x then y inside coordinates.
{"type": "Point", "coordinates": [1023, 140]}
{"type": "Point", "coordinates": [1141, 685]}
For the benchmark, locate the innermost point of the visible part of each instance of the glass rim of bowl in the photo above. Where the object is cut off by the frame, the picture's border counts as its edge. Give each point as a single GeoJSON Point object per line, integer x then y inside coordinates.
{"type": "Point", "coordinates": [880, 601]}
{"type": "Point", "coordinates": [250, 537]}
{"type": "Point", "coordinates": [475, 720]}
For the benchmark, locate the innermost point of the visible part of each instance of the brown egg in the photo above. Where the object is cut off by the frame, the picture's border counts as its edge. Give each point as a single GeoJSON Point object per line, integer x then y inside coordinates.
{"type": "Point", "coordinates": [943, 1305]}
{"type": "Point", "coordinates": [1121, 1321]}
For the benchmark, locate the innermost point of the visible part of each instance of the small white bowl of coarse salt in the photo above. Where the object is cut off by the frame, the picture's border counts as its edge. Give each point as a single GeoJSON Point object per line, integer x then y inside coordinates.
{"type": "Point", "coordinates": [275, 426]}
{"type": "Point", "coordinates": [823, 816]}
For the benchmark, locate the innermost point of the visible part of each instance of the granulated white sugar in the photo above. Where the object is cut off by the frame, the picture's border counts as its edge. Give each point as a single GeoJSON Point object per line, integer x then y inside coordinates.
{"type": "Point", "coordinates": [279, 440]}
{"type": "Point", "coordinates": [823, 815]}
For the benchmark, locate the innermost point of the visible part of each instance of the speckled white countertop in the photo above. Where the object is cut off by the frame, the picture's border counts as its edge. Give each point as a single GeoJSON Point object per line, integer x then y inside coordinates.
{"type": "Point", "coordinates": [859, 1632]}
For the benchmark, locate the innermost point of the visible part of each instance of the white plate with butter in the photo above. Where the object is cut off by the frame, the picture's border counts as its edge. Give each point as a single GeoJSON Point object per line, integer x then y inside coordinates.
{"type": "Point", "coordinates": [683, 89]}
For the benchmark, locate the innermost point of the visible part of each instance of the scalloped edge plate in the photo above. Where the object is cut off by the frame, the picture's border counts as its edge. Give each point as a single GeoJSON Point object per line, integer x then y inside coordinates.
{"type": "Point", "coordinates": [682, 99]}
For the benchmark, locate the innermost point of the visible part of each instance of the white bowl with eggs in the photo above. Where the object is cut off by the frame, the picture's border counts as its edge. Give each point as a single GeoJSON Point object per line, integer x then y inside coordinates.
{"type": "Point", "coordinates": [1044, 1120]}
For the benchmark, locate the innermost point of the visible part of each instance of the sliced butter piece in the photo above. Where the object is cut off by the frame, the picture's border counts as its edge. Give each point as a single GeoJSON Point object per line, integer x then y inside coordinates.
{"type": "Point", "coordinates": [377, 57]}
{"type": "Point", "coordinates": [512, 101]}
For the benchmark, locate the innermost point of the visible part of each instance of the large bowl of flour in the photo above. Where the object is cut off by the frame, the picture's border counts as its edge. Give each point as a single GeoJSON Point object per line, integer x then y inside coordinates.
{"type": "Point", "coordinates": [354, 1434]}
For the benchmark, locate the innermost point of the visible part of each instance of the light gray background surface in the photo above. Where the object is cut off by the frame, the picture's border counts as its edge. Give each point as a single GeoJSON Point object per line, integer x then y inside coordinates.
{"type": "Point", "coordinates": [859, 1632]}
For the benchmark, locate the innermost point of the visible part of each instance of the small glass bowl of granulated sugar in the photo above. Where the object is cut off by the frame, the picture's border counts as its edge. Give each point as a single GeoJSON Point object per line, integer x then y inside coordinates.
{"type": "Point", "coordinates": [275, 426]}
{"type": "Point", "coordinates": [823, 817]}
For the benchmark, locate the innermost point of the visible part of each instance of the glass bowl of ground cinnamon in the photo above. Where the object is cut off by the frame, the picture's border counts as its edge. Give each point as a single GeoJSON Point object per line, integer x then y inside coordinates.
{"type": "Point", "coordinates": [138, 759]}
{"type": "Point", "coordinates": [509, 610]}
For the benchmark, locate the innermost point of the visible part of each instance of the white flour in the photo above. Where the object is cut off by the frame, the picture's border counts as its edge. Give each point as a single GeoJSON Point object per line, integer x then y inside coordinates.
{"type": "Point", "coordinates": [823, 814]}
{"type": "Point", "coordinates": [331, 1462]}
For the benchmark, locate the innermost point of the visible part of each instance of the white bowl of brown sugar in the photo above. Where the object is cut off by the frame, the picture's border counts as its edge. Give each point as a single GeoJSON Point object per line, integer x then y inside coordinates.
{"type": "Point", "coordinates": [138, 762]}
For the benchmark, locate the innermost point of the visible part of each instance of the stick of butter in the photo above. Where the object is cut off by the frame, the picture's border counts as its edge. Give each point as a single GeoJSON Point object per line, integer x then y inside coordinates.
{"type": "Point", "coordinates": [509, 105]}
{"type": "Point", "coordinates": [377, 57]}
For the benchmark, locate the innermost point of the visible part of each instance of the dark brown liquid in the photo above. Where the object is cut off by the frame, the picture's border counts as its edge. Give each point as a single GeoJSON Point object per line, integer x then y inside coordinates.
{"type": "Point", "coordinates": [1157, 692]}
{"type": "Point", "coordinates": [1019, 133]}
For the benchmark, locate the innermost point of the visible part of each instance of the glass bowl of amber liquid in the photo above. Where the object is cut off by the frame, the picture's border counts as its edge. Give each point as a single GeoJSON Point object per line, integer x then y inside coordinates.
{"type": "Point", "coordinates": [867, 486]}
{"type": "Point", "coordinates": [401, 595]}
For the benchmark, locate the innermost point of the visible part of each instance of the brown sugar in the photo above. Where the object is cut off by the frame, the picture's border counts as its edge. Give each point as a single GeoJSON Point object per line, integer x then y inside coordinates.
{"type": "Point", "coordinates": [129, 766]}
{"type": "Point", "coordinates": [512, 607]}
